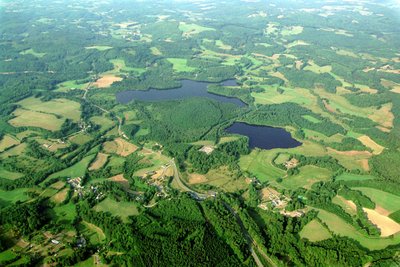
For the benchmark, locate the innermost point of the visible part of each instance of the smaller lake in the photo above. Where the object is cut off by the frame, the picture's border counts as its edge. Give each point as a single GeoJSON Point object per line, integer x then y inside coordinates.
{"type": "Point", "coordinates": [264, 137]}
{"type": "Point", "coordinates": [188, 89]}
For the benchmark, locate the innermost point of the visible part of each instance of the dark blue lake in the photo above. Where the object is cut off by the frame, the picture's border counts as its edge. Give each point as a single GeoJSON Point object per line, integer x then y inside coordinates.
{"type": "Point", "coordinates": [188, 89]}
{"type": "Point", "coordinates": [264, 137]}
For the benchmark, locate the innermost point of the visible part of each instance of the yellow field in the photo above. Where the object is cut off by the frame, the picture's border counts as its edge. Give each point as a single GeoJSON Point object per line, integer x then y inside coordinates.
{"type": "Point", "coordinates": [99, 162]}
{"type": "Point", "coordinates": [106, 81]}
{"type": "Point", "coordinates": [119, 146]}
{"type": "Point", "coordinates": [368, 142]}
{"type": "Point", "coordinates": [387, 226]}
{"type": "Point", "coordinates": [60, 196]}
{"type": "Point", "coordinates": [7, 141]}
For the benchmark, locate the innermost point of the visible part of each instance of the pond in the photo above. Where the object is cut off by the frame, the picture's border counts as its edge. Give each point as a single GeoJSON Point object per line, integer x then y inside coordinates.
{"type": "Point", "coordinates": [188, 89]}
{"type": "Point", "coordinates": [264, 137]}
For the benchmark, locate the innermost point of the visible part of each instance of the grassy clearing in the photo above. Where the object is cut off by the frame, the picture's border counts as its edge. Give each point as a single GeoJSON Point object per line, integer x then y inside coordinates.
{"type": "Point", "coordinates": [120, 147]}
{"type": "Point", "coordinates": [80, 138]}
{"type": "Point", "coordinates": [70, 85]}
{"type": "Point", "coordinates": [282, 158]}
{"type": "Point", "coordinates": [292, 30]}
{"type": "Point", "coordinates": [308, 175]}
{"type": "Point", "coordinates": [14, 195]}
{"type": "Point", "coordinates": [102, 121]}
{"type": "Point", "coordinates": [189, 29]}
{"type": "Point", "coordinates": [95, 233]}
{"type": "Point", "coordinates": [295, 95]}
{"type": "Point", "coordinates": [315, 231]}
{"type": "Point", "coordinates": [354, 177]}
{"type": "Point", "coordinates": [61, 106]}
{"type": "Point", "coordinates": [321, 137]}
{"type": "Point", "coordinates": [99, 47]}
{"type": "Point", "coordinates": [66, 212]}
{"type": "Point", "coordinates": [180, 65]}
{"type": "Point", "coordinates": [29, 118]}
{"type": "Point", "coordinates": [120, 66]}
{"type": "Point", "coordinates": [311, 66]}
{"type": "Point", "coordinates": [259, 163]}
{"type": "Point", "coordinates": [340, 227]}
{"type": "Point", "coordinates": [221, 45]}
{"type": "Point", "coordinates": [387, 201]}
{"type": "Point", "coordinates": [7, 141]}
{"type": "Point", "coordinates": [7, 256]}
{"type": "Point", "coordinates": [60, 196]}
{"type": "Point", "coordinates": [76, 170]}
{"type": "Point", "coordinates": [10, 175]}
{"type": "Point", "coordinates": [222, 178]}
{"type": "Point", "coordinates": [347, 205]}
{"type": "Point", "coordinates": [32, 52]}
{"type": "Point", "coordinates": [15, 151]}
{"type": "Point", "coordinates": [155, 51]}
{"type": "Point", "coordinates": [311, 118]}
{"type": "Point", "coordinates": [122, 209]}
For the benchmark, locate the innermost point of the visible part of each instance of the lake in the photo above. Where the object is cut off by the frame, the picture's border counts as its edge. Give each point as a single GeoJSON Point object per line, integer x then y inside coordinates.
{"type": "Point", "coordinates": [264, 137]}
{"type": "Point", "coordinates": [188, 89]}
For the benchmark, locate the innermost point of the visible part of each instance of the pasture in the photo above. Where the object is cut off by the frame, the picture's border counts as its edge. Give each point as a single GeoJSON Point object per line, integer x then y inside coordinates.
{"type": "Point", "coordinates": [5, 174]}
{"type": "Point", "coordinates": [308, 175]}
{"type": "Point", "coordinates": [76, 170]}
{"type": "Point", "coordinates": [120, 147]}
{"type": "Point", "coordinates": [122, 209]}
{"type": "Point", "coordinates": [340, 227]}
{"type": "Point", "coordinates": [7, 141]}
{"type": "Point", "coordinates": [315, 231]}
{"type": "Point", "coordinates": [180, 65]}
{"type": "Point", "coordinates": [29, 118]}
{"type": "Point", "coordinates": [62, 107]}
{"type": "Point", "coordinates": [99, 162]}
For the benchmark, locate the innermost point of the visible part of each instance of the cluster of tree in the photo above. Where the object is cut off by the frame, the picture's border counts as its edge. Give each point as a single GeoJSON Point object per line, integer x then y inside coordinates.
{"type": "Point", "coordinates": [225, 154]}
{"type": "Point", "coordinates": [291, 114]}
{"type": "Point", "coordinates": [309, 79]}
{"type": "Point", "coordinates": [25, 218]}
{"type": "Point", "coordinates": [173, 233]}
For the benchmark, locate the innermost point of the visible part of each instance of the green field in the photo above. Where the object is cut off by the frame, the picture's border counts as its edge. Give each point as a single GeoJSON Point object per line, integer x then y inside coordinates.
{"type": "Point", "coordinates": [340, 227]}
{"type": "Point", "coordinates": [180, 64]}
{"type": "Point", "coordinates": [61, 106]}
{"type": "Point", "coordinates": [10, 175]}
{"type": "Point", "coordinates": [191, 28]}
{"type": "Point", "coordinates": [353, 177]}
{"type": "Point", "coordinates": [65, 212]}
{"type": "Point", "coordinates": [311, 118]}
{"type": "Point", "coordinates": [315, 231]}
{"type": "Point", "coordinates": [77, 170]}
{"type": "Point", "coordinates": [25, 118]}
{"type": "Point", "coordinates": [258, 163]}
{"type": "Point", "coordinates": [121, 209]}
{"type": "Point", "coordinates": [387, 201]}
{"type": "Point", "coordinates": [308, 175]}
{"type": "Point", "coordinates": [99, 47]}
{"type": "Point", "coordinates": [14, 195]}
{"type": "Point", "coordinates": [95, 234]}
{"type": "Point", "coordinates": [32, 52]}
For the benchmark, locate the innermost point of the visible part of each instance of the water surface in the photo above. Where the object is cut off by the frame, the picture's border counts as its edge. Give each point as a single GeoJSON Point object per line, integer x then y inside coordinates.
{"type": "Point", "coordinates": [188, 89]}
{"type": "Point", "coordinates": [264, 137]}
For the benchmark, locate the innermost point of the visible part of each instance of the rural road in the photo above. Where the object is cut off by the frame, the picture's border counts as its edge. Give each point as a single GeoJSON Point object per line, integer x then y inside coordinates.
{"type": "Point", "coordinates": [250, 241]}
